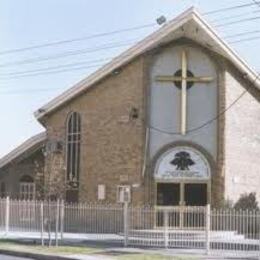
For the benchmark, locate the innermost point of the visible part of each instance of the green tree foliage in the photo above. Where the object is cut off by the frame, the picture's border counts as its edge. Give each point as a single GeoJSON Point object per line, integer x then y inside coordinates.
{"type": "Point", "coordinates": [247, 201]}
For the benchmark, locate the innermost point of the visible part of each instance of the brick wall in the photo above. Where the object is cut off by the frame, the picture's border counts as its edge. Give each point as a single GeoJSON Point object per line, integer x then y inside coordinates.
{"type": "Point", "coordinates": [112, 143]}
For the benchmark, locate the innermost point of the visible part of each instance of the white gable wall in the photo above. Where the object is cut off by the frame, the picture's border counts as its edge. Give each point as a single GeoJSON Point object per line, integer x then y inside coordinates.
{"type": "Point", "coordinates": [165, 101]}
{"type": "Point", "coordinates": [242, 142]}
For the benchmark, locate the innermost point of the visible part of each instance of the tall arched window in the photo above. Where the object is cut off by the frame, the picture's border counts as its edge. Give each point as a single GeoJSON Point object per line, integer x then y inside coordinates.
{"type": "Point", "coordinates": [73, 149]}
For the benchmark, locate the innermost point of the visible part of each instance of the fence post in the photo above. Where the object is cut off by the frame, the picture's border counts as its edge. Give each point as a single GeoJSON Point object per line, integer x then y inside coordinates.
{"type": "Point", "coordinates": [207, 229]}
{"type": "Point", "coordinates": [166, 228]}
{"type": "Point", "coordinates": [62, 219]}
{"type": "Point", "coordinates": [258, 214]}
{"type": "Point", "coordinates": [126, 223]}
{"type": "Point", "coordinates": [57, 222]}
{"type": "Point", "coordinates": [42, 223]}
{"type": "Point", "coordinates": [7, 214]}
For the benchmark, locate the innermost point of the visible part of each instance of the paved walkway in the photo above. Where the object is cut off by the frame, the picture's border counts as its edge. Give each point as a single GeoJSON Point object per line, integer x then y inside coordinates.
{"type": "Point", "coordinates": [6, 257]}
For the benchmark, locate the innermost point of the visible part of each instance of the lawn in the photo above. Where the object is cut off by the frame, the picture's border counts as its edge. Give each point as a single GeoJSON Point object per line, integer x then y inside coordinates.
{"type": "Point", "coordinates": [98, 251]}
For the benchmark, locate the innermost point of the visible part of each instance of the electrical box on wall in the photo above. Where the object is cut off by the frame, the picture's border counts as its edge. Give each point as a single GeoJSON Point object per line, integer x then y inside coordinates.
{"type": "Point", "coordinates": [124, 194]}
{"type": "Point", "coordinates": [101, 192]}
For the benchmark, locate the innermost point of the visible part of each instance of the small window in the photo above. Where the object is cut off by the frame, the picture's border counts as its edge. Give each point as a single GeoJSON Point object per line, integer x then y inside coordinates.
{"type": "Point", "coordinates": [26, 192]}
{"type": "Point", "coordinates": [123, 193]}
{"type": "Point", "coordinates": [27, 188]}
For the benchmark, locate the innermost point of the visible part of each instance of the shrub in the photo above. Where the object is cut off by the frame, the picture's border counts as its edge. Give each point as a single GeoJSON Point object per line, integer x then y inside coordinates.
{"type": "Point", "coordinates": [247, 201]}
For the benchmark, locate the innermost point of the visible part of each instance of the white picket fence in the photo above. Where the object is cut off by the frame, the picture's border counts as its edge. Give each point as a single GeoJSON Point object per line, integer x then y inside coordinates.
{"type": "Point", "coordinates": [212, 231]}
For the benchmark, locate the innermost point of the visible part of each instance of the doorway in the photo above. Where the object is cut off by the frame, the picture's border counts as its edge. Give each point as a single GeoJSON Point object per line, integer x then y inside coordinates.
{"type": "Point", "coordinates": [182, 194]}
{"type": "Point", "coordinates": [168, 194]}
{"type": "Point", "coordinates": [172, 200]}
{"type": "Point", "coordinates": [195, 194]}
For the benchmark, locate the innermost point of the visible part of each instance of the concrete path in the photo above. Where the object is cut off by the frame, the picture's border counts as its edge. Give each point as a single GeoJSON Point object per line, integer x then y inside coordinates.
{"type": "Point", "coordinates": [7, 257]}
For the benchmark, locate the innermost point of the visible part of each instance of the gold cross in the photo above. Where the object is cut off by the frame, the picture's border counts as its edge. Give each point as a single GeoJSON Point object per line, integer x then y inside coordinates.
{"type": "Point", "coordinates": [184, 79]}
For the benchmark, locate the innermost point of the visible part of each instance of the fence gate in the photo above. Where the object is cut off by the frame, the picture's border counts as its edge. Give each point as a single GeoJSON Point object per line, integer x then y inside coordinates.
{"type": "Point", "coordinates": [218, 231]}
{"type": "Point", "coordinates": [182, 227]}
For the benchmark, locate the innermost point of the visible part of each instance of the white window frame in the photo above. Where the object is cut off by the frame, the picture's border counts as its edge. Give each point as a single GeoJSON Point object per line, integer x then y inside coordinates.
{"type": "Point", "coordinates": [27, 190]}
{"type": "Point", "coordinates": [26, 204]}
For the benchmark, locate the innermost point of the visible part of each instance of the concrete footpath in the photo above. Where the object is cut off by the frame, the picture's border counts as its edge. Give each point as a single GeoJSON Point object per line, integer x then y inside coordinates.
{"type": "Point", "coordinates": [111, 253]}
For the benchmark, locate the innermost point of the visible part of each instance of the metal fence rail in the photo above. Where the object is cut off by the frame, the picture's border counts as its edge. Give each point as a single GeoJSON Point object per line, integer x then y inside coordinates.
{"type": "Point", "coordinates": [217, 230]}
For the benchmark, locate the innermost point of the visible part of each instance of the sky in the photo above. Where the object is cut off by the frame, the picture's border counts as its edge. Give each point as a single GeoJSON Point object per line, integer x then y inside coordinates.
{"type": "Point", "coordinates": [31, 77]}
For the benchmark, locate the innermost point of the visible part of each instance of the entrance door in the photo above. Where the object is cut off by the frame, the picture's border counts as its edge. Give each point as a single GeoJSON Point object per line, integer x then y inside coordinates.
{"type": "Point", "coordinates": [172, 200]}
{"type": "Point", "coordinates": [195, 194]}
{"type": "Point", "coordinates": [168, 195]}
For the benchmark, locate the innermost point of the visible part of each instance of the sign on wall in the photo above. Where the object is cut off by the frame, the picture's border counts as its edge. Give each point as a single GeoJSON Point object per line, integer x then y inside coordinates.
{"type": "Point", "coordinates": [182, 162]}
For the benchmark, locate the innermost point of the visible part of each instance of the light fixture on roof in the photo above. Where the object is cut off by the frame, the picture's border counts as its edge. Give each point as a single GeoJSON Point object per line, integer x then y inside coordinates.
{"type": "Point", "coordinates": [161, 20]}
{"type": "Point", "coordinates": [41, 110]}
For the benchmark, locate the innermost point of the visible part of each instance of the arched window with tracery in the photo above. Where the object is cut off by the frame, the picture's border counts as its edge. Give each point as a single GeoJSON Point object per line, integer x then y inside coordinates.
{"type": "Point", "coordinates": [26, 188]}
{"type": "Point", "coordinates": [73, 149]}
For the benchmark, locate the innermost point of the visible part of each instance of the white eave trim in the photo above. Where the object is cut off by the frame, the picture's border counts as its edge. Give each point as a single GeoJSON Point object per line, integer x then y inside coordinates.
{"type": "Point", "coordinates": [27, 145]}
{"type": "Point", "coordinates": [141, 47]}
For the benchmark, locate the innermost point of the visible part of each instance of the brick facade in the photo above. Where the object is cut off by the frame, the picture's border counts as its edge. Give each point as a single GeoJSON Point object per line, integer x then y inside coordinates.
{"type": "Point", "coordinates": [112, 142]}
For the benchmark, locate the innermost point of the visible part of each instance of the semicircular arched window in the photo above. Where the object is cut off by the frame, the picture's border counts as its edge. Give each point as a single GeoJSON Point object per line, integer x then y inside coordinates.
{"type": "Point", "coordinates": [73, 149]}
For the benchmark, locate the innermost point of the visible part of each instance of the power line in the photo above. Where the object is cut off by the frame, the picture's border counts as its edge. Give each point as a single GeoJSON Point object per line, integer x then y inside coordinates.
{"type": "Point", "coordinates": [57, 71]}
{"type": "Point", "coordinates": [234, 16]}
{"type": "Point", "coordinates": [239, 21]}
{"type": "Point", "coordinates": [207, 122]}
{"type": "Point", "coordinates": [66, 41]}
{"type": "Point", "coordinates": [230, 8]}
{"type": "Point", "coordinates": [211, 120]}
{"type": "Point", "coordinates": [70, 53]}
{"type": "Point", "coordinates": [72, 65]}
{"type": "Point", "coordinates": [77, 39]}
{"type": "Point", "coordinates": [246, 39]}
{"type": "Point", "coordinates": [195, 128]}
{"type": "Point", "coordinates": [69, 65]}
{"type": "Point", "coordinates": [98, 48]}
{"type": "Point", "coordinates": [241, 34]}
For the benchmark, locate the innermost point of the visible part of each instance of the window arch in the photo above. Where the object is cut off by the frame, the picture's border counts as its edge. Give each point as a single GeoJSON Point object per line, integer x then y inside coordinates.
{"type": "Point", "coordinates": [73, 149]}
{"type": "Point", "coordinates": [27, 188]}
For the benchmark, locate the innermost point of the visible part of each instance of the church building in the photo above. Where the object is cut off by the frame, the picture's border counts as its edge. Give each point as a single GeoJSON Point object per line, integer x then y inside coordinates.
{"type": "Point", "coordinates": [172, 121]}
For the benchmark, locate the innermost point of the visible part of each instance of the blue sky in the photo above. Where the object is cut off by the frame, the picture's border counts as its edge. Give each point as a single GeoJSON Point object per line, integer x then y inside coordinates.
{"type": "Point", "coordinates": [26, 23]}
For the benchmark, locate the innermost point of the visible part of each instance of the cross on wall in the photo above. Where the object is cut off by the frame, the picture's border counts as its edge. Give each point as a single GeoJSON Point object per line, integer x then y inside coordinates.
{"type": "Point", "coordinates": [186, 79]}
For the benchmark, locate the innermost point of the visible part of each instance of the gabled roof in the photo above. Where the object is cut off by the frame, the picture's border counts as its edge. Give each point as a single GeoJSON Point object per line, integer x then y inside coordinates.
{"type": "Point", "coordinates": [190, 24]}
{"type": "Point", "coordinates": [30, 145]}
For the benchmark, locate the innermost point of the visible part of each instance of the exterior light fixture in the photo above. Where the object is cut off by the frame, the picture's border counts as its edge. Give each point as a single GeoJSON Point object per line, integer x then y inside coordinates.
{"type": "Point", "coordinates": [161, 20]}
